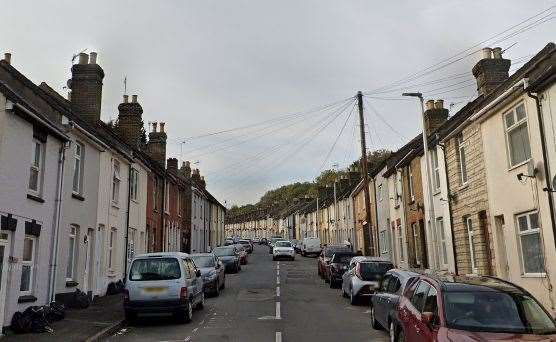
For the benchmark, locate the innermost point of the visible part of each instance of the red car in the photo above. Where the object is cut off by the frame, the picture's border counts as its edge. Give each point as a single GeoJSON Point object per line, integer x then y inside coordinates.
{"type": "Point", "coordinates": [469, 308]}
{"type": "Point", "coordinates": [325, 256]}
{"type": "Point", "coordinates": [242, 254]}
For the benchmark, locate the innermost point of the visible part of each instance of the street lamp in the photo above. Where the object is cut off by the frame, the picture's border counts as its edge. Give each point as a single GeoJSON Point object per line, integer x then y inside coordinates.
{"type": "Point", "coordinates": [428, 168]}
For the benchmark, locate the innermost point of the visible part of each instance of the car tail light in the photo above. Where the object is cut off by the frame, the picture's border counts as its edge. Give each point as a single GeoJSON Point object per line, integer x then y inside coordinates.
{"type": "Point", "coordinates": [126, 296]}
{"type": "Point", "coordinates": [183, 293]}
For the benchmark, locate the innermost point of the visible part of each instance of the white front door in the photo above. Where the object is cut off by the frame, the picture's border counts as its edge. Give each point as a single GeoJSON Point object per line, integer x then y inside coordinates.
{"type": "Point", "coordinates": [3, 274]}
{"type": "Point", "coordinates": [89, 251]}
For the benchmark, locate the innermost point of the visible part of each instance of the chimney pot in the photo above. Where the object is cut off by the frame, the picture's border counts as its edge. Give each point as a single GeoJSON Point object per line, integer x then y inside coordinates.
{"type": "Point", "coordinates": [154, 126]}
{"type": "Point", "coordinates": [487, 53]}
{"type": "Point", "coordinates": [83, 58]}
{"type": "Point", "coordinates": [126, 98]}
{"type": "Point", "coordinates": [133, 98]}
{"type": "Point", "coordinates": [162, 127]}
{"type": "Point", "coordinates": [429, 104]}
{"type": "Point", "coordinates": [187, 163]}
{"type": "Point", "coordinates": [439, 104]}
{"type": "Point", "coordinates": [8, 57]}
{"type": "Point", "coordinates": [497, 53]}
{"type": "Point", "coordinates": [93, 58]}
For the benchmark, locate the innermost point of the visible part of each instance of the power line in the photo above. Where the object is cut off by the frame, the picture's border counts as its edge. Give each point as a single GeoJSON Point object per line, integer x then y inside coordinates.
{"type": "Point", "coordinates": [337, 138]}
{"type": "Point", "coordinates": [401, 136]}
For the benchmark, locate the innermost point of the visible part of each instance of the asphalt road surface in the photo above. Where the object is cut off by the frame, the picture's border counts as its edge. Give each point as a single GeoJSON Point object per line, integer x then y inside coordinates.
{"type": "Point", "coordinates": [266, 301]}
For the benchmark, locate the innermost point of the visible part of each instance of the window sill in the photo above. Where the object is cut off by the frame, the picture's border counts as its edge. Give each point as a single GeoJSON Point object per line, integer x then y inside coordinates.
{"type": "Point", "coordinates": [71, 283]}
{"type": "Point", "coordinates": [115, 205]}
{"type": "Point", "coordinates": [26, 299]}
{"type": "Point", "coordinates": [463, 186]}
{"type": "Point", "coordinates": [35, 198]}
{"type": "Point", "coordinates": [533, 275]}
{"type": "Point", "coordinates": [111, 274]}
{"type": "Point", "coordinates": [134, 201]}
{"type": "Point", "coordinates": [77, 196]}
{"type": "Point", "coordinates": [518, 165]}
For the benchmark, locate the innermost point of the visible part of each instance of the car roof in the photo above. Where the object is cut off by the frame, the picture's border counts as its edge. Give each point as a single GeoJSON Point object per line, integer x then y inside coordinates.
{"type": "Point", "coordinates": [473, 283]}
{"type": "Point", "coordinates": [370, 259]}
{"type": "Point", "coordinates": [201, 254]}
{"type": "Point", "coordinates": [162, 254]}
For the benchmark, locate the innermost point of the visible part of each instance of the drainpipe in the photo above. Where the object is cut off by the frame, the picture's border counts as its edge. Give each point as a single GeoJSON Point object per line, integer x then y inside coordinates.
{"type": "Point", "coordinates": [127, 221]}
{"type": "Point", "coordinates": [56, 225]}
{"type": "Point", "coordinates": [545, 162]}
{"type": "Point", "coordinates": [454, 252]}
{"type": "Point", "coordinates": [162, 209]}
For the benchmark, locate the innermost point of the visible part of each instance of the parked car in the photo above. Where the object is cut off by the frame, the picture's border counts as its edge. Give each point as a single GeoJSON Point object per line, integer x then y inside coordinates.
{"type": "Point", "coordinates": [470, 308]}
{"type": "Point", "coordinates": [310, 245]}
{"type": "Point", "coordinates": [272, 242]}
{"type": "Point", "coordinates": [326, 254]}
{"type": "Point", "coordinates": [384, 302]}
{"type": "Point", "coordinates": [296, 245]}
{"type": "Point", "coordinates": [229, 242]}
{"type": "Point", "coordinates": [163, 283]}
{"type": "Point", "coordinates": [242, 251]}
{"type": "Point", "coordinates": [229, 256]}
{"type": "Point", "coordinates": [264, 241]}
{"type": "Point", "coordinates": [363, 277]}
{"type": "Point", "coordinates": [257, 240]}
{"type": "Point", "coordinates": [212, 271]}
{"type": "Point", "coordinates": [283, 249]}
{"type": "Point", "coordinates": [337, 267]}
{"type": "Point", "coordinates": [247, 245]}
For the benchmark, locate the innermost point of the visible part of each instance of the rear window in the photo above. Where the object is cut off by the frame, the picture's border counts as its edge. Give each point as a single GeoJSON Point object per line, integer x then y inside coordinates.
{"type": "Point", "coordinates": [203, 261]}
{"type": "Point", "coordinates": [155, 269]}
{"type": "Point", "coordinates": [374, 270]}
{"type": "Point", "coordinates": [224, 251]}
{"type": "Point", "coordinates": [244, 242]}
{"type": "Point", "coordinates": [283, 244]}
{"type": "Point", "coordinates": [331, 251]}
{"type": "Point", "coordinates": [342, 258]}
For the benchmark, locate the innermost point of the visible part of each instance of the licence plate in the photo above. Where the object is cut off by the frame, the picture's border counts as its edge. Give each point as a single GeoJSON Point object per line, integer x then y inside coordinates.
{"type": "Point", "coordinates": [154, 290]}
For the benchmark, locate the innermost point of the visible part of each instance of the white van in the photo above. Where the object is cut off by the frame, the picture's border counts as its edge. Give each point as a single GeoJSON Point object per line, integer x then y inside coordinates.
{"type": "Point", "coordinates": [310, 245]}
{"type": "Point", "coordinates": [163, 283]}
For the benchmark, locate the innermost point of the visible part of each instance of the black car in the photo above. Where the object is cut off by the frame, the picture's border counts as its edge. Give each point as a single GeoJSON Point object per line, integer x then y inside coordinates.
{"type": "Point", "coordinates": [385, 300]}
{"type": "Point", "coordinates": [337, 267]}
{"type": "Point", "coordinates": [229, 256]}
{"type": "Point", "coordinates": [247, 244]}
{"type": "Point", "coordinates": [212, 271]}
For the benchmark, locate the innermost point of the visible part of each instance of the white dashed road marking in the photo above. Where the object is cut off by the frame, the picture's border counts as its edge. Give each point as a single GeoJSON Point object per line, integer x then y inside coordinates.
{"type": "Point", "coordinates": [278, 336]}
{"type": "Point", "coordinates": [277, 291]}
{"type": "Point", "coordinates": [278, 315]}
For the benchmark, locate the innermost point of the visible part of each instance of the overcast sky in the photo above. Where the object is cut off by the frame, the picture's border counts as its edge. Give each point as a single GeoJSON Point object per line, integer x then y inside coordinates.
{"type": "Point", "coordinates": [205, 66]}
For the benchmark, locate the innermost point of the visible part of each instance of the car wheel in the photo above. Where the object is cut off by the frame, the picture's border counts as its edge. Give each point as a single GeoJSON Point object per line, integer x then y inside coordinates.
{"type": "Point", "coordinates": [273, 258]}
{"type": "Point", "coordinates": [223, 286]}
{"type": "Point", "coordinates": [332, 284]}
{"type": "Point", "coordinates": [344, 294]}
{"type": "Point", "coordinates": [187, 315]}
{"type": "Point", "coordinates": [374, 322]}
{"type": "Point", "coordinates": [352, 298]}
{"type": "Point", "coordinates": [217, 289]}
{"type": "Point", "coordinates": [239, 267]}
{"type": "Point", "coordinates": [201, 303]}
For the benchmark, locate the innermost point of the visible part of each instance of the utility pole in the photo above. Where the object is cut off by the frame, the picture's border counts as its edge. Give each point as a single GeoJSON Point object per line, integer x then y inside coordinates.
{"type": "Point", "coordinates": [368, 244]}
{"type": "Point", "coordinates": [317, 220]}
{"type": "Point", "coordinates": [335, 166]}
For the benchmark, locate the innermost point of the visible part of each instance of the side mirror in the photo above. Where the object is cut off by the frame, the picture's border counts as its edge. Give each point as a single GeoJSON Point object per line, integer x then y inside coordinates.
{"type": "Point", "coordinates": [198, 273]}
{"type": "Point", "coordinates": [217, 265]}
{"type": "Point", "coordinates": [428, 318]}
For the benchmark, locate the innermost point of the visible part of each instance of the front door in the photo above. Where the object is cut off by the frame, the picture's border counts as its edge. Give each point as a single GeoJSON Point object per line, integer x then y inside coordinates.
{"type": "Point", "coordinates": [3, 274]}
{"type": "Point", "coordinates": [89, 251]}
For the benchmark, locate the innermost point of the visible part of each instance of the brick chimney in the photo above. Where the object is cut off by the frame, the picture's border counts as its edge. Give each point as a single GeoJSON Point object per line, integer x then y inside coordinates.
{"type": "Point", "coordinates": [196, 176]}
{"type": "Point", "coordinates": [491, 70]}
{"type": "Point", "coordinates": [130, 121]}
{"type": "Point", "coordinates": [435, 115]}
{"type": "Point", "coordinates": [156, 147]}
{"type": "Point", "coordinates": [86, 87]}
{"type": "Point", "coordinates": [186, 169]}
{"type": "Point", "coordinates": [202, 182]}
{"type": "Point", "coordinates": [172, 164]}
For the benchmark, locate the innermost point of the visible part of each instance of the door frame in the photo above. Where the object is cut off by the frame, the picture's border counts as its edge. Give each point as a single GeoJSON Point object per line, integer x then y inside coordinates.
{"type": "Point", "coordinates": [4, 277]}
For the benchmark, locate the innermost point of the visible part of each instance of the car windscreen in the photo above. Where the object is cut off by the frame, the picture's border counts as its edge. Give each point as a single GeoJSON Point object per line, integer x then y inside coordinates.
{"type": "Point", "coordinates": [155, 269]}
{"type": "Point", "coordinates": [331, 251]}
{"type": "Point", "coordinates": [283, 244]}
{"type": "Point", "coordinates": [203, 261]}
{"type": "Point", "coordinates": [501, 312]}
{"type": "Point", "coordinates": [374, 270]}
{"type": "Point", "coordinates": [224, 252]}
{"type": "Point", "coordinates": [342, 258]}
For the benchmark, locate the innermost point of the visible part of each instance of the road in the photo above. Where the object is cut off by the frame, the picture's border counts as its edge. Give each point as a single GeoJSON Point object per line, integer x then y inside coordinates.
{"type": "Point", "coordinates": [267, 301]}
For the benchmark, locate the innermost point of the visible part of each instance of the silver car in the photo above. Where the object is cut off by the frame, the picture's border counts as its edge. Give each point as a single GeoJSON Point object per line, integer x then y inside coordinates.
{"type": "Point", "coordinates": [163, 283]}
{"type": "Point", "coordinates": [363, 276]}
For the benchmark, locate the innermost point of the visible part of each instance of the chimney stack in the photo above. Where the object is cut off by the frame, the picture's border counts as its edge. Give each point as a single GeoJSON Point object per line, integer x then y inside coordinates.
{"type": "Point", "coordinates": [156, 147]}
{"type": "Point", "coordinates": [8, 57]}
{"type": "Point", "coordinates": [86, 86]}
{"type": "Point", "coordinates": [172, 164]}
{"type": "Point", "coordinates": [435, 115]}
{"type": "Point", "coordinates": [186, 169]}
{"type": "Point", "coordinates": [130, 121]}
{"type": "Point", "coordinates": [491, 70]}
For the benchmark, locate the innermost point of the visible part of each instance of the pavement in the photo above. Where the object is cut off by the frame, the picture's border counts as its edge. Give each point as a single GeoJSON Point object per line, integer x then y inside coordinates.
{"type": "Point", "coordinates": [266, 301]}
{"type": "Point", "coordinates": [93, 323]}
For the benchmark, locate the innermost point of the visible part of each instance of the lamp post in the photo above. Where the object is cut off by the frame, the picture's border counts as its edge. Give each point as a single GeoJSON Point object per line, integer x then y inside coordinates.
{"type": "Point", "coordinates": [428, 168]}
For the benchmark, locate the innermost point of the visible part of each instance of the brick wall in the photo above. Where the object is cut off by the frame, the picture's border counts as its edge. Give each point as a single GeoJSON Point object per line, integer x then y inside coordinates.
{"type": "Point", "coordinates": [469, 200]}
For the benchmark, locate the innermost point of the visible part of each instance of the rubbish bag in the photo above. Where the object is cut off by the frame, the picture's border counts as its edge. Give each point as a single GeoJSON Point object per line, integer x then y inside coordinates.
{"type": "Point", "coordinates": [21, 323]}
{"type": "Point", "coordinates": [79, 300]}
{"type": "Point", "coordinates": [56, 312]}
{"type": "Point", "coordinates": [115, 288]}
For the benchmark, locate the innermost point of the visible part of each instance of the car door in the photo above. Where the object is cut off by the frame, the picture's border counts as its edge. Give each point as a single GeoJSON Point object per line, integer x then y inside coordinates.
{"type": "Point", "coordinates": [197, 283]}
{"type": "Point", "coordinates": [391, 297]}
{"type": "Point", "coordinates": [220, 269]}
{"type": "Point", "coordinates": [414, 326]}
{"type": "Point", "coordinates": [346, 277]}
{"type": "Point", "coordinates": [189, 277]}
{"type": "Point", "coordinates": [378, 301]}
